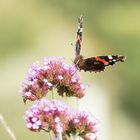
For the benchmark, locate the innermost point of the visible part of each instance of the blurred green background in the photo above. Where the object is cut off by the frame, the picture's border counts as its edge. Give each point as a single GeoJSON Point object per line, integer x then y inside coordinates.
{"type": "Point", "coordinates": [33, 29]}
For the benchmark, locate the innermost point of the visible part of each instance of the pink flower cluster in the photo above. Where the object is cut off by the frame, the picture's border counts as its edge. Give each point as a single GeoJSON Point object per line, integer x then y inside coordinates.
{"type": "Point", "coordinates": [48, 115]}
{"type": "Point", "coordinates": [55, 116]}
{"type": "Point", "coordinates": [54, 73]}
{"type": "Point", "coordinates": [82, 124]}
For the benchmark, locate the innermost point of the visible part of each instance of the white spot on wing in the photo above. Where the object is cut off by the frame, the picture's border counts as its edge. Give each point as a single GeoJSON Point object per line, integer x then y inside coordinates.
{"type": "Point", "coordinates": [110, 57]}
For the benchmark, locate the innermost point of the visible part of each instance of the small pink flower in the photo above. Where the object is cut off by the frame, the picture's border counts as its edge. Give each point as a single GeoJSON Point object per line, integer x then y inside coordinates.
{"type": "Point", "coordinates": [29, 125]}
{"type": "Point", "coordinates": [60, 77]}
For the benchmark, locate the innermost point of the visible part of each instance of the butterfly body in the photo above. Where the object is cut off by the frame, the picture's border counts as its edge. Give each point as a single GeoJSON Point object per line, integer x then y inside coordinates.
{"type": "Point", "coordinates": [97, 64]}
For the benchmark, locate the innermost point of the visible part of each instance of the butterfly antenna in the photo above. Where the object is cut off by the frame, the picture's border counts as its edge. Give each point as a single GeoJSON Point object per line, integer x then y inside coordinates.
{"type": "Point", "coordinates": [79, 36]}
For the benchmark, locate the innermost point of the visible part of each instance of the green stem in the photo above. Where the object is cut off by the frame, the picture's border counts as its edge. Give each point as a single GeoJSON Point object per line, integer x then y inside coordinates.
{"type": "Point", "coordinates": [77, 103]}
{"type": "Point", "coordinates": [45, 130]}
{"type": "Point", "coordinates": [53, 97]}
{"type": "Point", "coordinates": [50, 136]}
{"type": "Point", "coordinates": [71, 138]}
{"type": "Point", "coordinates": [60, 136]}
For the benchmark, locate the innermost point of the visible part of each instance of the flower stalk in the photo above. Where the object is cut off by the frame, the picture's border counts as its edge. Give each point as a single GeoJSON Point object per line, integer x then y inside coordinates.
{"type": "Point", "coordinates": [50, 136]}
{"type": "Point", "coordinates": [60, 136]}
{"type": "Point", "coordinates": [53, 96]}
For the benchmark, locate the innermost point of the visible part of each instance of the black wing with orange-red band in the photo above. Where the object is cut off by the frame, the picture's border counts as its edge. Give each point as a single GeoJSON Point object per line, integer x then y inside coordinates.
{"type": "Point", "coordinates": [98, 64]}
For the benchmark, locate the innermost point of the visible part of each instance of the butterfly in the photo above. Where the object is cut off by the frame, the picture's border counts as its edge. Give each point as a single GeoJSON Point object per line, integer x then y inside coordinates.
{"type": "Point", "coordinates": [92, 64]}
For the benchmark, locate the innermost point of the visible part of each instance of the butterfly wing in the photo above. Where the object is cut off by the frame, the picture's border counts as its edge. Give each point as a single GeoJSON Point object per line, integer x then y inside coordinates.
{"type": "Point", "coordinates": [91, 64]}
{"type": "Point", "coordinates": [98, 64]}
{"type": "Point", "coordinates": [111, 59]}
{"type": "Point", "coordinates": [79, 36]}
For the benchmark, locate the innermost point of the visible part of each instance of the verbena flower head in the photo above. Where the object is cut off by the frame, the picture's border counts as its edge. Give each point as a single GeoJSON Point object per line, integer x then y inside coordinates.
{"type": "Point", "coordinates": [82, 124]}
{"type": "Point", "coordinates": [48, 115]}
{"type": "Point", "coordinates": [54, 73]}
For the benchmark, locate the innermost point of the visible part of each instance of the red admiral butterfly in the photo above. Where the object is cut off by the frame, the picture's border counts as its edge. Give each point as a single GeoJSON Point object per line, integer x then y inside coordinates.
{"type": "Point", "coordinates": [92, 64]}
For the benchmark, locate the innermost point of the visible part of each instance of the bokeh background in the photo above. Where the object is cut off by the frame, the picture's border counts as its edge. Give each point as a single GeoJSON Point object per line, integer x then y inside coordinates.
{"type": "Point", "coordinates": [33, 29]}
